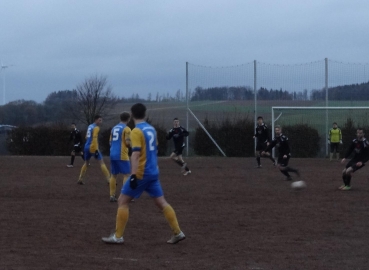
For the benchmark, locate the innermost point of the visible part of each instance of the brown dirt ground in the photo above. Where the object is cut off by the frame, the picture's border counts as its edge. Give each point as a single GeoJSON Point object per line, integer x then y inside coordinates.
{"type": "Point", "coordinates": [234, 216]}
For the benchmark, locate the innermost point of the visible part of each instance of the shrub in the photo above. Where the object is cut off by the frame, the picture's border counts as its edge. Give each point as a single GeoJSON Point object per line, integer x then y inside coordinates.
{"type": "Point", "coordinates": [41, 140]}
{"type": "Point", "coordinates": [233, 136]}
{"type": "Point", "coordinates": [304, 140]}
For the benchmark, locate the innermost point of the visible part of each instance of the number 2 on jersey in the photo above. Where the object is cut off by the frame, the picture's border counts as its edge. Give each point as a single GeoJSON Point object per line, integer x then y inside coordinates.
{"type": "Point", "coordinates": [151, 142]}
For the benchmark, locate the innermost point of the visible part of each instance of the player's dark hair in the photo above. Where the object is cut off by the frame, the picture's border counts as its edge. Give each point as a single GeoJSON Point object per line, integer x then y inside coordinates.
{"type": "Point", "coordinates": [124, 116]}
{"type": "Point", "coordinates": [260, 117]}
{"type": "Point", "coordinates": [359, 128]}
{"type": "Point", "coordinates": [138, 111]}
{"type": "Point", "coordinates": [277, 126]}
{"type": "Point", "coordinates": [175, 118]}
{"type": "Point", "coordinates": [73, 124]}
{"type": "Point", "coordinates": [334, 123]}
{"type": "Point", "coordinates": [97, 116]}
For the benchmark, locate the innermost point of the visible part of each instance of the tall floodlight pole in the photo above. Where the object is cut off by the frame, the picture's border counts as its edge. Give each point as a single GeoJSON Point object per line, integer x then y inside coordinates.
{"type": "Point", "coordinates": [187, 107]}
{"type": "Point", "coordinates": [2, 68]}
{"type": "Point", "coordinates": [255, 99]}
{"type": "Point", "coordinates": [326, 104]}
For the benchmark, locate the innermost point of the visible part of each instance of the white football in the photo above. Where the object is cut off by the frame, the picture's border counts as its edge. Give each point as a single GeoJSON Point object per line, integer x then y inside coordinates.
{"type": "Point", "coordinates": [298, 184]}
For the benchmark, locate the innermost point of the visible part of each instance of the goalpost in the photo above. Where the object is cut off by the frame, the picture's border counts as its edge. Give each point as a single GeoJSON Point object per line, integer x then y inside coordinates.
{"type": "Point", "coordinates": [320, 118]}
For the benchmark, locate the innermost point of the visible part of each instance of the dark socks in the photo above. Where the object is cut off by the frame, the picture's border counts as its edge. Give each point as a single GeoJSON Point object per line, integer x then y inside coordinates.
{"type": "Point", "coordinates": [348, 180]}
{"type": "Point", "coordinates": [72, 160]}
{"type": "Point", "coordinates": [289, 169]}
{"type": "Point", "coordinates": [285, 173]}
{"type": "Point", "coordinates": [344, 178]}
{"type": "Point", "coordinates": [258, 160]}
{"type": "Point", "coordinates": [180, 163]}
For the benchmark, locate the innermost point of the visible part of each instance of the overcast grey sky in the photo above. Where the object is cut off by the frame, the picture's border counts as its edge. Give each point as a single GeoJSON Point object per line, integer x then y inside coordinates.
{"type": "Point", "coordinates": [142, 46]}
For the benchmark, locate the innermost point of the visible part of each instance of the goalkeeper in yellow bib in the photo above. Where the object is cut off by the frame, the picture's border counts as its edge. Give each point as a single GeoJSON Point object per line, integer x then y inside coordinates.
{"type": "Point", "coordinates": [334, 140]}
{"type": "Point", "coordinates": [92, 150]}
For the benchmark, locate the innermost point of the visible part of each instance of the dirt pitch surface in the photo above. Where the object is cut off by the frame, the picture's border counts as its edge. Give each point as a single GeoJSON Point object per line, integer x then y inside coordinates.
{"type": "Point", "coordinates": [234, 216]}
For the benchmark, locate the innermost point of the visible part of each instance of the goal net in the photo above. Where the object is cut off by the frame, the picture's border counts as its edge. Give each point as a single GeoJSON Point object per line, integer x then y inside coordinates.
{"type": "Point", "coordinates": [308, 127]}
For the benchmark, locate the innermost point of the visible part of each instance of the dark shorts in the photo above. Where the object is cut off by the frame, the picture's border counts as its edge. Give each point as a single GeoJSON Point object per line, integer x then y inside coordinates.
{"type": "Point", "coordinates": [178, 151]}
{"type": "Point", "coordinates": [335, 146]}
{"type": "Point", "coordinates": [352, 164]}
{"type": "Point", "coordinates": [77, 149]}
{"type": "Point", "coordinates": [283, 161]}
{"type": "Point", "coordinates": [261, 146]}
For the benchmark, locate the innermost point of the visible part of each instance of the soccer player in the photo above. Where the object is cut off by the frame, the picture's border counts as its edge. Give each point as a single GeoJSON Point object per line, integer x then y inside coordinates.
{"type": "Point", "coordinates": [280, 141]}
{"type": "Point", "coordinates": [76, 137]}
{"type": "Point", "coordinates": [178, 133]}
{"type": "Point", "coordinates": [145, 177]}
{"type": "Point", "coordinates": [262, 135]}
{"type": "Point", "coordinates": [119, 160]}
{"type": "Point", "coordinates": [92, 150]}
{"type": "Point", "coordinates": [361, 147]}
{"type": "Point", "coordinates": [334, 139]}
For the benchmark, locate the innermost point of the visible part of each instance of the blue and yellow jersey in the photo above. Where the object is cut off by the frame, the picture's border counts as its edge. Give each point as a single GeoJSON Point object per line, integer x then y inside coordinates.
{"type": "Point", "coordinates": [144, 140]}
{"type": "Point", "coordinates": [92, 135]}
{"type": "Point", "coordinates": [119, 136]}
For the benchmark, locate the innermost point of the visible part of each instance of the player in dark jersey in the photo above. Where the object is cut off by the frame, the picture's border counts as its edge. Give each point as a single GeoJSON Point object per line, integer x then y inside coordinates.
{"type": "Point", "coordinates": [280, 141]}
{"type": "Point", "coordinates": [76, 137]}
{"type": "Point", "coordinates": [360, 146]}
{"type": "Point", "coordinates": [178, 133]}
{"type": "Point", "coordinates": [262, 140]}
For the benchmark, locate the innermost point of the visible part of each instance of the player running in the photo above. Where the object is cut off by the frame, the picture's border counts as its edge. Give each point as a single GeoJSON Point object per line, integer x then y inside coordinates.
{"type": "Point", "coordinates": [334, 139]}
{"type": "Point", "coordinates": [92, 150]}
{"type": "Point", "coordinates": [119, 160]}
{"type": "Point", "coordinates": [262, 137]}
{"type": "Point", "coordinates": [178, 133]}
{"type": "Point", "coordinates": [76, 137]}
{"type": "Point", "coordinates": [145, 177]}
{"type": "Point", "coordinates": [280, 141]}
{"type": "Point", "coordinates": [360, 146]}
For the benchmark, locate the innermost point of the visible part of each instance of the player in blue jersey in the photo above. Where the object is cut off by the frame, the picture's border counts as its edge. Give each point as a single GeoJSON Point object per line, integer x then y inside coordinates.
{"type": "Point", "coordinates": [92, 150]}
{"type": "Point", "coordinates": [119, 159]}
{"type": "Point", "coordinates": [145, 177]}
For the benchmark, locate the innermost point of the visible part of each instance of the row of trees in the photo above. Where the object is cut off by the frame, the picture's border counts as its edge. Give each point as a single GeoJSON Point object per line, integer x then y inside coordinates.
{"type": "Point", "coordinates": [345, 92]}
{"type": "Point", "coordinates": [245, 93]}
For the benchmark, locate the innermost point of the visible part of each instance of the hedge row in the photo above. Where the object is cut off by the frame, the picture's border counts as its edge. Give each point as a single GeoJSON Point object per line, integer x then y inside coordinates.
{"type": "Point", "coordinates": [54, 140]}
{"type": "Point", "coordinates": [42, 140]}
{"type": "Point", "coordinates": [233, 136]}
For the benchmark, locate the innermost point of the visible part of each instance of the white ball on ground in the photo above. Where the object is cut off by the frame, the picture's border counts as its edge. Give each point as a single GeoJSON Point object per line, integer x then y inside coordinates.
{"type": "Point", "coordinates": [298, 184]}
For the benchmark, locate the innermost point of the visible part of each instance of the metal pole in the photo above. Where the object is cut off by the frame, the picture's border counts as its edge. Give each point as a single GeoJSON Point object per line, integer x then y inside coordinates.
{"type": "Point", "coordinates": [4, 86]}
{"type": "Point", "coordinates": [3, 70]}
{"type": "Point", "coordinates": [255, 100]}
{"type": "Point", "coordinates": [207, 133]}
{"type": "Point", "coordinates": [273, 152]}
{"type": "Point", "coordinates": [187, 97]}
{"type": "Point", "coordinates": [326, 105]}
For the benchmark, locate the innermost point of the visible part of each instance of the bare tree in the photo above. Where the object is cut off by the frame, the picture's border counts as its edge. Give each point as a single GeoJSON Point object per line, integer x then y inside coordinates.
{"type": "Point", "coordinates": [94, 96]}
